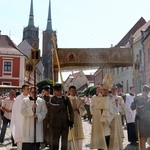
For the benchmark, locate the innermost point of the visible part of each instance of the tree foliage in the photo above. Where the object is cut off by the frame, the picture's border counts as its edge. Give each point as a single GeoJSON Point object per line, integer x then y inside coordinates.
{"type": "Point", "coordinates": [44, 82]}
{"type": "Point", "coordinates": [90, 91]}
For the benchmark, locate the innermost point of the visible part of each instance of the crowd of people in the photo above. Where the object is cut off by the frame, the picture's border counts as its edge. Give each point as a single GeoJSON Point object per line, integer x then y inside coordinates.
{"type": "Point", "coordinates": [55, 121]}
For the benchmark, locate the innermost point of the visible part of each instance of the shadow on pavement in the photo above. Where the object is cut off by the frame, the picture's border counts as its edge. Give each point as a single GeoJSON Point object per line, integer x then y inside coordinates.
{"type": "Point", "coordinates": [9, 143]}
{"type": "Point", "coordinates": [2, 145]}
{"type": "Point", "coordinates": [131, 147]}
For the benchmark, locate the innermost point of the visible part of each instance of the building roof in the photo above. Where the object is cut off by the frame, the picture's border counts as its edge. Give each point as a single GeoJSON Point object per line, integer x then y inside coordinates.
{"type": "Point", "coordinates": [137, 35]}
{"type": "Point", "coordinates": [6, 42]}
{"type": "Point", "coordinates": [90, 78]}
{"type": "Point", "coordinates": [83, 87]}
{"type": "Point", "coordinates": [125, 39]}
{"type": "Point", "coordinates": [99, 70]}
{"type": "Point", "coordinates": [72, 77]}
{"type": "Point", "coordinates": [145, 33]}
{"type": "Point", "coordinates": [8, 47]}
{"type": "Point", "coordinates": [25, 47]}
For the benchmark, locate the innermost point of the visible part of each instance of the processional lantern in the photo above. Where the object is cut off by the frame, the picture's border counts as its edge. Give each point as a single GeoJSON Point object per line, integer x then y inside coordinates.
{"type": "Point", "coordinates": [29, 66]}
{"type": "Point", "coordinates": [35, 54]}
{"type": "Point", "coordinates": [33, 60]}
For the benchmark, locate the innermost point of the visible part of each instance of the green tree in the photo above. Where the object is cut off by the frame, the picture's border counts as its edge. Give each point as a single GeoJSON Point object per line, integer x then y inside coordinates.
{"type": "Point", "coordinates": [86, 91]}
{"type": "Point", "coordinates": [92, 91]}
{"type": "Point", "coordinates": [44, 82]}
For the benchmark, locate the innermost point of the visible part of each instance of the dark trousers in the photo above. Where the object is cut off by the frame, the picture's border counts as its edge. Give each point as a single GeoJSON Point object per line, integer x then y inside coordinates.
{"type": "Point", "coordinates": [57, 133]}
{"type": "Point", "coordinates": [131, 130]}
{"type": "Point", "coordinates": [30, 146]}
{"type": "Point", "coordinates": [47, 132]}
{"type": "Point", "coordinates": [4, 127]}
{"type": "Point", "coordinates": [3, 130]}
{"type": "Point", "coordinates": [87, 107]}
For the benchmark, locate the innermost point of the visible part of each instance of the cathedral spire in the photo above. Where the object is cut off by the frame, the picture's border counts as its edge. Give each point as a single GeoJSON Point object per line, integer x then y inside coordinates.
{"type": "Point", "coordinates": [49, 20]}
{"type": "Point", "coordinates": [31, 16]}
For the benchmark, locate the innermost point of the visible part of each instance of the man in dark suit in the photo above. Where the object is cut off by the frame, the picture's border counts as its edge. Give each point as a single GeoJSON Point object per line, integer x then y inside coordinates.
{"type": "Point", "coordinates": [62, 117]}
{"type": "Point", "coordinates": [47, 131]}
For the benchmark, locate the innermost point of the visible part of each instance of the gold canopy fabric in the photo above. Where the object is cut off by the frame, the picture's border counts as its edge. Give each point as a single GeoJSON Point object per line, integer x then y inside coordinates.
{"type": "Point", "coordinates": [73, 58]}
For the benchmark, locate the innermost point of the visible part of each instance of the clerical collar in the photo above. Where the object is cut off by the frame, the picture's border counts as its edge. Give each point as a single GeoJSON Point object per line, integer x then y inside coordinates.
{"type": "Point", "coordinates": [131, 94]}
{"type": "Point", "coordinates": [59, 96]}
{"type": "Point", "coordinates": [32, 99]}
{"type": "Point", "coordinates": [104, 95]}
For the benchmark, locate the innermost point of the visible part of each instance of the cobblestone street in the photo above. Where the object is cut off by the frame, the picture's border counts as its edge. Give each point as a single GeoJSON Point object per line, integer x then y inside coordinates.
{"type": "Point", "coordinates": [87, 132]}
{"type": "Point", "coordinates": [86, 141]}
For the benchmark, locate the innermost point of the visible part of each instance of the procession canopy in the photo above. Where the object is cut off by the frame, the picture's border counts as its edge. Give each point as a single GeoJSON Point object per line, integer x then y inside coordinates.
{"type": "Point", "coordinates": [73, 58]}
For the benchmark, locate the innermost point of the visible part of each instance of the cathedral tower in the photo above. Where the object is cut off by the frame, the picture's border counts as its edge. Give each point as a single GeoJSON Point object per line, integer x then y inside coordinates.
{"type": "Point", "coordinates": [47, 46]}
{"type": "Point", "coordinates": [31, 33]}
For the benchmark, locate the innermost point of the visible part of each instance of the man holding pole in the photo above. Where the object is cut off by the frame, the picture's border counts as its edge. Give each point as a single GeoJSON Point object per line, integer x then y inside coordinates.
{"type": "Point", "coordinates": [77, 129]}
{"type": "Point", "coordinates": [62, 118]}
{"type": "Point", "coordinates": [28, 107]}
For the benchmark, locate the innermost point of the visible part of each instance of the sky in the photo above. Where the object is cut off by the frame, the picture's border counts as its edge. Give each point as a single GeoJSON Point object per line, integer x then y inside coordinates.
{"type": "Point", "coordinates": [78, 23]}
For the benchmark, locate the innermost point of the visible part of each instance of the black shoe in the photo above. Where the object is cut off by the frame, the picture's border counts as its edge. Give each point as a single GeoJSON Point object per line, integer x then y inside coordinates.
{"type": "Point", "coordinates": [1, 141]}
{"type": "Point", "coordinates": [87, 145]}
{"type": "Point", "coordinates": [14, 144]}
{"type": "Point", "coordinates": [134, 143]}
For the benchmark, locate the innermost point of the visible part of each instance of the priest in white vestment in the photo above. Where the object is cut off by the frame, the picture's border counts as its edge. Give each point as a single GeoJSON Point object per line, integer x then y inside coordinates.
{"type": "Point", "coordinates": [17, 118]}
{"type": "Point", "coordinates": [130, 117]}
{"type": "Point", "coordinates": [77, 131]}
{"type": "Point", "coordinates": [100, 134]}
{"type": "Point", "coordinates": [116, 131]}
{"type": "Point", "coordinates": [27, 110]}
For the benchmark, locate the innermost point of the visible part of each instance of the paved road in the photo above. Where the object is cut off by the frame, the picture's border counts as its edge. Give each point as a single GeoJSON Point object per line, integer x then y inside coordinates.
{"type": "Point", "coordinates": [87, 130]}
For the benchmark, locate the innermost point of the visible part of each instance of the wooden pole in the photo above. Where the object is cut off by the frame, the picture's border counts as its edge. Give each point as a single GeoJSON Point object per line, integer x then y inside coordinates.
{"type": "Point", "coordinates": [138, 134]}
{"type": "Point", "coordinates": [53, 74]}
{"type": "Point", "coordinates": [35, 97]}
{"type": "Point", "coordinates": [138, 129]}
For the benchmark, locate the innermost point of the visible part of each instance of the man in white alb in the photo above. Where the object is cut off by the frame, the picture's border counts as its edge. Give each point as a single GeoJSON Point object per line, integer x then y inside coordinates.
{"type": "Point", "coordinates": [17, 118]}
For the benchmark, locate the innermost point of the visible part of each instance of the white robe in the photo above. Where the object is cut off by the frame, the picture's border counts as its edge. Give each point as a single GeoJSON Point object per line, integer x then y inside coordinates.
{"type": "Point", "coordinates": [100, 122]}
{"type": "Point", "coordinates": [116, 131]}
{"type": "Point", "coordinates": [17, 119]}
{"type": "Point", "coordinates": [130, 114]}
{"type": "Point", "coordinates": [77, 131]}
{"type": "Point", "coordinates": [28, 119]}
